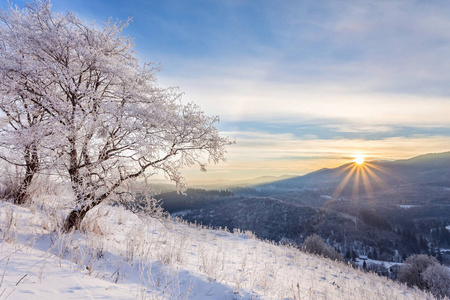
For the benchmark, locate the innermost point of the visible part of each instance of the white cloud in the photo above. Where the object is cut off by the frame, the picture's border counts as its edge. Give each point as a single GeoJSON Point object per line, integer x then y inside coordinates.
{"type": "Point", "coordinates": [364, 62]}
{"type": "Point", "coordinates": [242, 99]}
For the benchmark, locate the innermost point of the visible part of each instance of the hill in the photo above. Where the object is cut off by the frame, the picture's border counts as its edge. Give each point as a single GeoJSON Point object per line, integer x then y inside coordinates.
{"type": "Point", "coordinates": [394, 209]}
{"type": "Point", "coordinates": [123, 256]}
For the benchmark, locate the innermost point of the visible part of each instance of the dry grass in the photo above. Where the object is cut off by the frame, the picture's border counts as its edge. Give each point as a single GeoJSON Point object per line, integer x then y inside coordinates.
{"type": "Point", "coordinates": [169, 258]}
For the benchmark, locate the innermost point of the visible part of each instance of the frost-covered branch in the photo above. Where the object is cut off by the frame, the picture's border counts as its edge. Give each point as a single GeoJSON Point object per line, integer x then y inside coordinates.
{"type": "Point", "coordinates": [102, 113]}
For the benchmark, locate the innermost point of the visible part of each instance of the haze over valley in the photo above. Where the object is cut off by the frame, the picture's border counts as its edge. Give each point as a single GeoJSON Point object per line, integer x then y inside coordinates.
{"type": "Point", "coordinates": [389, 207]}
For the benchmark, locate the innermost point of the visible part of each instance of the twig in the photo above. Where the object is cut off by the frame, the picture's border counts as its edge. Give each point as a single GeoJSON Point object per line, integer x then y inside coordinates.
{"type": "Point", "coordinates": [21, 279]}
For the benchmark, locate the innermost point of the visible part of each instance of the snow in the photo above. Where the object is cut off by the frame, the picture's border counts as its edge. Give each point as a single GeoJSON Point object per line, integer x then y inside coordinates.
{"type": "Point", "coordinates": [123, 256]}
{"type": "Point", "coordinates": [407, 206]}
{"type": "Point", "coordinates": [387, 264]}
{"type": "Point", "coordinates": [48, 278]}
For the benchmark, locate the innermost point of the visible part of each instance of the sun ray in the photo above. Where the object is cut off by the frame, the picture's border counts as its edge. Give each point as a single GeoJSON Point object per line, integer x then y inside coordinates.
{"type": "Point", "coordinates": [366, 181]}
{"type": "Point", "coordinates": [343, 183]}
{"type": "Point", "coordinates": [376, 167]}
{"type": "Point", "coordinates": [344, 169]}
{"type": "Point", "coordinates": [363, 177]}
{"type": "Point", "coordinates": [372, 174]}
{"type": "Point", "coordinates": [355, 190]}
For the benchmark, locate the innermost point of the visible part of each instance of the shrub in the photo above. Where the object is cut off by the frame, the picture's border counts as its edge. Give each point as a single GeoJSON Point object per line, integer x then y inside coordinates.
{"type": "Point", "coordinates": [413, 268]}
{"type": "Point", "coordinates": [315, 245]}
{"type": "Point", "coordinates": [9, 183]}
{"type": "Point", "coordinates": [437, 279]}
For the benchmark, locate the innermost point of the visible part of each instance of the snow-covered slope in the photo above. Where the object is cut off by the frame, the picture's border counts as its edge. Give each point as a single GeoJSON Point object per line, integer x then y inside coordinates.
{"type": "Point", "coordinates": [122, 256]}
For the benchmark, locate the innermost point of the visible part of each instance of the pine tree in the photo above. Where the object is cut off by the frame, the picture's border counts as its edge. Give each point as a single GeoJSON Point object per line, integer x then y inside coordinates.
{"type": "Point", "coordinates": [375, 254]}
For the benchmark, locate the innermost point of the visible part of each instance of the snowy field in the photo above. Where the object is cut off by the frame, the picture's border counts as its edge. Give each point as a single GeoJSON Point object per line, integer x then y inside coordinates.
{"type": "Point", "coordinates": [123, 256]}
{"type": "Point", "coordinates": [386, 264]}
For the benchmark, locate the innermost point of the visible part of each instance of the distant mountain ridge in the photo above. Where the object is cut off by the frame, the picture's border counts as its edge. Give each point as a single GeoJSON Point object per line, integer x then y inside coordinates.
{"type": "Point", "coordinates": [391, 208]}
{"type": "Point", "coordinates": [234, 184]}
{"type": "Point", "coordinates": [427, 168]}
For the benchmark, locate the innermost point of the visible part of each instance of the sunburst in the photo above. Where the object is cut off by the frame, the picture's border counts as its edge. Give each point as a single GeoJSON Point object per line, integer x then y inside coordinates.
{"type": "Point", "coordinates": [360, 171]}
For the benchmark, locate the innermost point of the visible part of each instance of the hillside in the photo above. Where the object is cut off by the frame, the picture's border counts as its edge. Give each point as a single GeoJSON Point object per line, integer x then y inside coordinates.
{"type": "Point", "coordinates": [395, 209]}
{"type": "Point", "coordinates": [123, 256]}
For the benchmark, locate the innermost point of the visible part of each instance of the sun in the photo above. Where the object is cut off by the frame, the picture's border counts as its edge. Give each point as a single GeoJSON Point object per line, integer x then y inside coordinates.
{"type": "Point", "coordinates": [359, 159]}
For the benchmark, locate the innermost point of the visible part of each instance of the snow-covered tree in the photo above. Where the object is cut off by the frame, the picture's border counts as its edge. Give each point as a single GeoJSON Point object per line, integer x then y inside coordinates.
{"type": "Point", "coordinates": [316, 245]}
{"type": "Point", "coordinates": [426, 273]}
{"type": "Point", "coordinates": [109, 121]}
{"type": "Point", "coordinates": [437, 279]}
{"type": "Point", "coordinates": [19, 140]}
{"type": "Point", "coordinates": [413, 268]}
{"type": "Point", "coordinates": [21, 119]}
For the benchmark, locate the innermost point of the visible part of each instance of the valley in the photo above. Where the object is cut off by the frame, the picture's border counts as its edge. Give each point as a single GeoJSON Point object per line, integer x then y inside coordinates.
{"type": "Point", "coordinates": [390, 209]}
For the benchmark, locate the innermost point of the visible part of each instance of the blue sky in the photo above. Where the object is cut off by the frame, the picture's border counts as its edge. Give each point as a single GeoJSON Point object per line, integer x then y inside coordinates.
{"type": "Point", "coordinates": [300, 85]}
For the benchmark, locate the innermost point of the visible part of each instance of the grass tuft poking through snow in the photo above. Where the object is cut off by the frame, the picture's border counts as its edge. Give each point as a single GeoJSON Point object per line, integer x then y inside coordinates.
{"type": "Point", "coordinates": [122, 256]}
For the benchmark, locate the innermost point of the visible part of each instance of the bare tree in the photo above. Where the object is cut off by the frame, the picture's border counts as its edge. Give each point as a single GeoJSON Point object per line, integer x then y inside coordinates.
{"type": "Point", "coordinates": [109, 120]}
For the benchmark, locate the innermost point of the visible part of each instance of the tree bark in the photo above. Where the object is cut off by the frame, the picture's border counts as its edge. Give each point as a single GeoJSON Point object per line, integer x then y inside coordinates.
{"type": "Point", "coordinates": [74, 219]}
{"type": "Point", "coordinates": [32, 163]}
{"type": "Point", "coordinates": [76, 216]}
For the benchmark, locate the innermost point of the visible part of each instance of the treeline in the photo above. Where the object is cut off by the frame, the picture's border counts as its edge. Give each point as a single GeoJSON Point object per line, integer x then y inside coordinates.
{"type": "Point", "coordinates": [374, 219]}
{"type": "Point", "coordinates": [417, 231]}
{"type": "Point", "coordinates": [173, 202]}
{"type": "Point", "coordinates": [424, 237]}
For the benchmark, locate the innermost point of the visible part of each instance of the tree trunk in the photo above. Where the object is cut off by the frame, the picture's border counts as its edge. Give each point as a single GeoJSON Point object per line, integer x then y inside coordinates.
{"type": "Point", "coordinates": [74, 219]}
{"type": "Point", "coordinates": [76, 216]}
{"type": "Point", "coordinates": [32, 163]}
{"type": "Point", "coordinates": [21, 196]}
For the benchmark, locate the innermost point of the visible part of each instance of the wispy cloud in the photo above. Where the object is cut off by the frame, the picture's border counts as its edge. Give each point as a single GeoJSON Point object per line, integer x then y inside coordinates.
{"type": "Point", "coordinates": [300, 84]}
{"type": "Point", "coordinates": [259, 153]}
{"type": "Point", "coordinates": [240, 99]}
